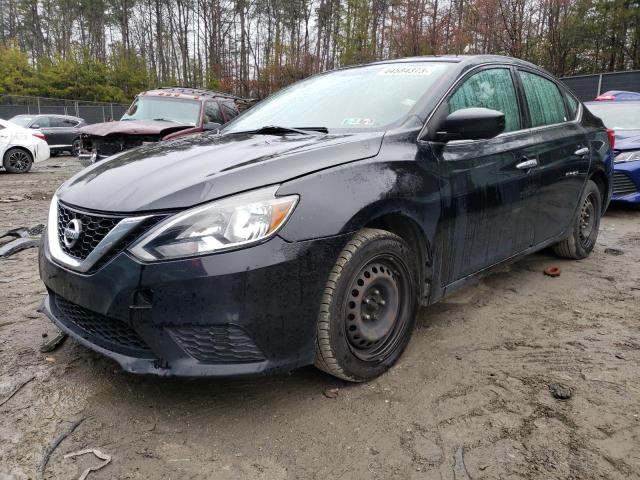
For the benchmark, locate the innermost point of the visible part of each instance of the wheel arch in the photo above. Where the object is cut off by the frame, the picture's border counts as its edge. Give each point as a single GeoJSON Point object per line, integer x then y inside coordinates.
{"type": "Point", "coordinates": [410, 230]}
{"type": "Point", "coordinates": [601, 179]}
{"type": "Point", "coordinates": [18, 147]}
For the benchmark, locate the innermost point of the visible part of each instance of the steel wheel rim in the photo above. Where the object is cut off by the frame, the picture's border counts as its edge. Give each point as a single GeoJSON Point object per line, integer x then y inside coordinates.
{"type": "Point", "coordinates": [19, 160]}
{"type": "Point", "coordinates": [587, 221]}
{"type": "Point", "coordinates": [375, 308]}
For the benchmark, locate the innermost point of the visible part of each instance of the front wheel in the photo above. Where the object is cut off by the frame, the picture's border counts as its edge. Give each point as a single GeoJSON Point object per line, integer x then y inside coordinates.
{"type": "Point", "coordinates": [17, 160]}
{"type": "Point", "coordinates": [586, 224]}
{"type": "Point", "coordinates": [369, 307]}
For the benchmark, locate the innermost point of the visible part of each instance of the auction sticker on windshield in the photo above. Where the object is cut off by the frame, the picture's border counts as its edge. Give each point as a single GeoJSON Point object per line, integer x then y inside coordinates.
{"type": "Point", "coordinates": [412, 71]}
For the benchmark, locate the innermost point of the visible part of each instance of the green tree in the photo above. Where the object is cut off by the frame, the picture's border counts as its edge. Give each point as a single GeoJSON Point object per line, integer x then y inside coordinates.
{"type": "Point", "coordinates": [16, 75]}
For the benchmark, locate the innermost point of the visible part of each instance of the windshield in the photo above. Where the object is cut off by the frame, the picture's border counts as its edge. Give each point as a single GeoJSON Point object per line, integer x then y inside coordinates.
{"type": "Point", "coordinates": [619, 115]}
{"type": "Point", "coordinates": [178, 110]}
{"type": "Point", "coordinates": [364, 97]}
{"type": "Point", "coordinates": [21, 120]}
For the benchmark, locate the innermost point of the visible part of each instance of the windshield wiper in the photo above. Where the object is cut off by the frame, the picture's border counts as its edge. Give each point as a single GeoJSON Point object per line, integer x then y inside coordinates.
{"type": "Point", "coordinates": [277, 129]}
{"type": "Point", "coordinates": [164, 120]}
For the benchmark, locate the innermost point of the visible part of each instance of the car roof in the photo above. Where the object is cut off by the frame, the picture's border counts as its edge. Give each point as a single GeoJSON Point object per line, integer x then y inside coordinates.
{"type": "Point", "coordinates": [612, 102]}
{"type": "Point", "coordinates": [189, 93]}
{"type": "Point", "coordinates": [472, 59]}
{"type": "Point", "coordinates": [36, 115]}
{"type": "Point", "coordinates": [464, 62]}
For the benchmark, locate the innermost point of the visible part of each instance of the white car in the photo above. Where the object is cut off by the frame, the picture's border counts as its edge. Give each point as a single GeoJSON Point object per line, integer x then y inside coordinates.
{"type": "Point", "coordinates": [20, 147]}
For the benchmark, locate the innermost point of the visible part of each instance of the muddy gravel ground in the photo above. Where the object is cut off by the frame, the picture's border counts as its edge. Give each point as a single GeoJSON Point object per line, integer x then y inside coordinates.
{"type": "Point", "coordinates": [469, 399]}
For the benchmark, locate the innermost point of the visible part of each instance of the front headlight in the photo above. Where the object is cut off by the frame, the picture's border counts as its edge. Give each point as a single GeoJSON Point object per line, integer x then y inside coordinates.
{"type": "Point", "coordinates": [627, 156]}
{"type": "Point", "coordinates": [226, 224]}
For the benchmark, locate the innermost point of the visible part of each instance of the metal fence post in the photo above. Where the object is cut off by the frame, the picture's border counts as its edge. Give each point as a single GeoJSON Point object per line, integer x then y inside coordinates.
{"type": "Point", "coordinates": [599, 85]}
{"type": "Point", "coordinates": [38, 99]}
{"type": "Point", "coordinates": [77, 110]}
{"type": "Point", "coordinates": [111, 105]}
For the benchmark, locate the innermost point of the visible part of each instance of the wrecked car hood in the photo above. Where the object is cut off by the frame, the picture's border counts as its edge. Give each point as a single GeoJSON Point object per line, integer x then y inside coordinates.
{"type": "Point", "coordinates": [189, 171]}
{"type": "Point", "coordinates": [133, 127]}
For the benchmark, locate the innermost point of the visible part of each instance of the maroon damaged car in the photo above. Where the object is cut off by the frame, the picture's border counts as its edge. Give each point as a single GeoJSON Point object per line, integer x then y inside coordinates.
{"type": "Point", "coordinates": [155, 115]}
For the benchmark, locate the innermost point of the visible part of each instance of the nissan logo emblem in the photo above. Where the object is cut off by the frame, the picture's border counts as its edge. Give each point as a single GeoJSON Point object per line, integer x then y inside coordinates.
{"type": "Point", "coordinates": [72, 232]}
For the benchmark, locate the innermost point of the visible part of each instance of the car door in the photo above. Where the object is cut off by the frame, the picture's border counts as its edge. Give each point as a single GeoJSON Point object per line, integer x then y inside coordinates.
{"type": "Point", "coordinates": [5, 138]}
{"type": "Point", "coordinates": [559, 146]}
{"type": "Point", "coordinates": [68, 131]}
{"type": "Point", "coordinates": [488, 201]}
{"type": "Point", "coordinates": [57, 132]}
{"type": "Point", "coordinates": [42, 124]}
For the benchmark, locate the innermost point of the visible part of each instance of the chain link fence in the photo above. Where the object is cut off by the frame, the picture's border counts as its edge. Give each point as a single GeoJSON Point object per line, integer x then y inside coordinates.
{"type": "Point", "coordinates": [91, 112]}
{"type": "Point", "coordinates": [588, 87]}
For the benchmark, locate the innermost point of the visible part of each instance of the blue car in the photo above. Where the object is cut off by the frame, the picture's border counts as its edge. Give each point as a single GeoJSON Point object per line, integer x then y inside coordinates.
{"type": "Point", "coordinates": [618, 95]}
{"type": "Point", "coordinates": [624, 119]}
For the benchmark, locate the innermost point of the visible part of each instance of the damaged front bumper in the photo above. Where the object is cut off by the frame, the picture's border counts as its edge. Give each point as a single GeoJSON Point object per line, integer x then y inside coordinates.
{"type": "Point", "coordinates": [89, 158]}
{"type": "Point", "coordinates": [237, 313]}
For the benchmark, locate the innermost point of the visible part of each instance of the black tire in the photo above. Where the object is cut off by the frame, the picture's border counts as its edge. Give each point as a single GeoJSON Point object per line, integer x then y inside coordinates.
{"type": "Point", "coordinates": [54, 153]}
{"type": "Point", "coordinates": [75, 147]}
{"type": "Point", "coordinates": [585, 226]}
{"type": "Point", "coordinates": [17, 160]}
{"type": "Point", "coordinates": [369, 307]}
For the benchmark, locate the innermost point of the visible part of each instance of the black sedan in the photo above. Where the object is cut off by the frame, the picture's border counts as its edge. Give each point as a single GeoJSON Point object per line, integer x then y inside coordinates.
{"type": "Point", "coordinates": [311, 228]}
{"type": "Point", "coordinates": [62, 132]}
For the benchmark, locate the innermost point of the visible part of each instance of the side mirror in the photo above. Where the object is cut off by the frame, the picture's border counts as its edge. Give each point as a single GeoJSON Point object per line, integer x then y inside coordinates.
{"type": "Point", "coordinates": [35, 125]}
{"type": "Point", "coordinates": [211, 126]}
{"type": "Point", "coordinates": [472, 124]}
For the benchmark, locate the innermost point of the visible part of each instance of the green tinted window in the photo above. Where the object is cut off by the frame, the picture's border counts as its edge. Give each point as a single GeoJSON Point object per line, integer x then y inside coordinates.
{"type": "Point", "coordinates": [572, 105]}
{"type": "Point", "coordinates": [489, 89]}
{"type": "Point", "coordinates": [543, 99]}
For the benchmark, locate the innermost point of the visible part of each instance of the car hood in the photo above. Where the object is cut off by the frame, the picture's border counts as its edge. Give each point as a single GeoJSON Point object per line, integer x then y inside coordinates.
{"type": "Point", "coordinates": [185, 172]}
{"type": "Point", "coordinates": [627, 140]}
{"type": "Point", "coordinates": [133, 127]}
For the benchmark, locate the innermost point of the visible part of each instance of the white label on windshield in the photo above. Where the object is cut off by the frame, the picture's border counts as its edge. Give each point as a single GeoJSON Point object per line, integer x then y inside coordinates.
{"type": "Point", "coordinates": [358, 122]}
{"type": "Point", "coordinates": [406, 71]}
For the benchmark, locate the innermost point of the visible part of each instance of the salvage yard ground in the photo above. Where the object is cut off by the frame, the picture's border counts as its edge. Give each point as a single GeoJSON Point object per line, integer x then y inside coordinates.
{"type": "Point", "coordinates": [469, 399]}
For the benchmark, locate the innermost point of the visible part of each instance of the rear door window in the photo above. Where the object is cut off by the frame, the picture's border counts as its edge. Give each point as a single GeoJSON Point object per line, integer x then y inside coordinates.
{"type": "Point", "coordinates": [229, 112]}
{"type": "Point", "coordinates": [492, 88]}
{"type": "Point", "coordinates": [56, 122]}
{"type": "Point", "coordinates": [544, 100]}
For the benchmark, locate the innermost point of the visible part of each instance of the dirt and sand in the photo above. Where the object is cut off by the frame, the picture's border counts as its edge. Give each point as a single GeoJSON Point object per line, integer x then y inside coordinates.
{"type": "Point", "coordinates": [470, 398]}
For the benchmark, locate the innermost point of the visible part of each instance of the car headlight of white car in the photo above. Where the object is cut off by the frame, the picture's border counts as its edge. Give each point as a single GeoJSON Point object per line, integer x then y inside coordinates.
{"type": "Point", "coordinates": [627, 156]}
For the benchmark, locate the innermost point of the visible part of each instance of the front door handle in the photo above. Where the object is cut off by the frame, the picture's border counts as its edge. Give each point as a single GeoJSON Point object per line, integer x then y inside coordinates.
{"type": "Point", "coordinates": [581, 152]}
{"type": "Point", "coordinates": [527, 164]}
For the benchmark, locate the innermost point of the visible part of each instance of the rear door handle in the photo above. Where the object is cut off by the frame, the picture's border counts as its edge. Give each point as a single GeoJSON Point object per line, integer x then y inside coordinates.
{"type": "Point", "coordinates": [527, 164]}
{"type": "Point", "coordinates": [581, 152]}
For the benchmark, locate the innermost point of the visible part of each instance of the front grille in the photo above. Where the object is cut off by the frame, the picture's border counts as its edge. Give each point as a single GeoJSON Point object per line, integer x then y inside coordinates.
{"type": "Point", "coordinates": [107, 148]}
{"type": "Point", "coordinates": [106, 332]}
{"type": "Point", "coordinates": [217, 344]}
{"type": "Point", "coordinates": [622, 184]}
{"type": "Point", "coordinates": [94, 229]}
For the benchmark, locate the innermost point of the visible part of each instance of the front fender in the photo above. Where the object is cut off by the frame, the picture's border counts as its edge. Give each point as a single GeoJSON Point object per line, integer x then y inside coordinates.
{"type": "Point", "coordinates": [346, 198]}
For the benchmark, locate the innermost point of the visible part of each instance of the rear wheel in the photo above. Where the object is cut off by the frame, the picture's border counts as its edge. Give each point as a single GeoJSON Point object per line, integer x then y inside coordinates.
{"type": "Point", "coordinates": [585, 226]}
{"type": "Point", "coordinates": [17, 160]}
{"type": "Point", "coordinates": [368, 308]}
